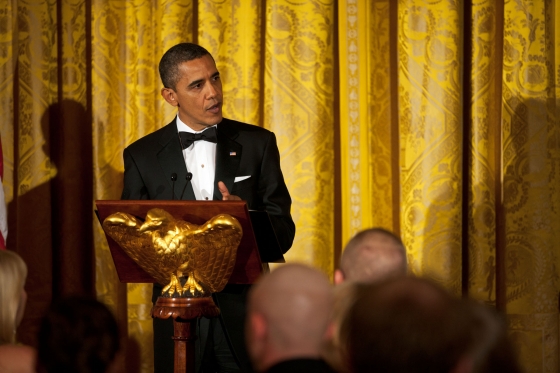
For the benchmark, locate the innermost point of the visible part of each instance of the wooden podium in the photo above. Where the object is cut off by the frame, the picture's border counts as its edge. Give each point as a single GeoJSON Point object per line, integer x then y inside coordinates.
{"type": "Point", "coordinates": [185, 311]}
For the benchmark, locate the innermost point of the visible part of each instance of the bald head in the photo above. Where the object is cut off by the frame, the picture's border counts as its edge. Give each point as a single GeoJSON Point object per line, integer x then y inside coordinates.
{"type": "Point", "coordinates": [289, 311]}
{"type": "Point", "coordinates": [372, 255]}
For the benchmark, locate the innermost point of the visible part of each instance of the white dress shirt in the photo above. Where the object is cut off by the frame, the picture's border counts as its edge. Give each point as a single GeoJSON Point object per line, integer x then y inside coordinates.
{"type": "Point", "coordinates": [200, 159]}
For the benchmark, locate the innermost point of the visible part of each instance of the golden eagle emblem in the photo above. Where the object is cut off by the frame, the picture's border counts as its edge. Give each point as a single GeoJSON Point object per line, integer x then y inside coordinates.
{"type": "Point", "coordinates": [169, 248]}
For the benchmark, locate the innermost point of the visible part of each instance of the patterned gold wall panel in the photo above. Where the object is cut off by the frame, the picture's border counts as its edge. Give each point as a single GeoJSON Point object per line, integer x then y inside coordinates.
{"type": "Point", "coordinates": [111, 131]}
{"type": "Point", "coordinates": [37, 73]}
{"type": "Point", "coordinates": [231, 31]}
{"type": "Point", "coordinates": [298, 107]}
{"type": "Point", "coordinates": [380, 154]}
{"type": "Point", "coordinates": [35, 58]}
{"type": "Point", "coordinates": [74, 44]}
{"type": "Point", "coordinates": [177, 26]}
{"type": "Point", "coordinates": [128, 40]}
{"type": "Point", "coordinates": [530, 152]}
{"type": "Point", "coordinates": [535, 337]}
{"type": "Point", "coordinates": [485, 132]}
{"type": "Point", "coordinates": [430, 131]}
{"type": "Point", "coordinates": [526, 130]}
{"type": "Point", "coordinates": [355, 127]}
{"type": "Point", "coordinates": [8, 17]}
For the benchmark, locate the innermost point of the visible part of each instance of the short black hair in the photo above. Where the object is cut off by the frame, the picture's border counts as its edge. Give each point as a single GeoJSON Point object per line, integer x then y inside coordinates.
{"type": "Point", "coordinates": [77, 334]}
{"type": "Point", "coordinates": [174, 57]}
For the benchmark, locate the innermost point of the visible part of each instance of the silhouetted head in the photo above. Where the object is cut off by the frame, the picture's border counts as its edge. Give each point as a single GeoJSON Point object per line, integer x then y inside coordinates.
{"type": "Point", "coordinates": [77, 335]}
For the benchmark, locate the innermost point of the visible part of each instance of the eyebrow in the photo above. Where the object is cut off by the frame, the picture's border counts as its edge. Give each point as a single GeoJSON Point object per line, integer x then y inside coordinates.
{"type": "Point", "coordinates": [196, 82]}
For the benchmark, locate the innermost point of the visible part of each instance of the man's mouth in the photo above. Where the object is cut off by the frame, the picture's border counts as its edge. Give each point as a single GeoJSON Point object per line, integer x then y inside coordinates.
{"type": "Point", "coordinates": [214, 109]}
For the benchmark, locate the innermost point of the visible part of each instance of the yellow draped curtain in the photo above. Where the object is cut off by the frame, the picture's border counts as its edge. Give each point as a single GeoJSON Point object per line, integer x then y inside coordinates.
{"type": "Point", "coordinates": [439, 120]}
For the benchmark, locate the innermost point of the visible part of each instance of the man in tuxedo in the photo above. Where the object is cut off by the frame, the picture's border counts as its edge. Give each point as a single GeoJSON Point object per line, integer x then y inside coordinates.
{"type": "Point", "coordinates": [201, 155]}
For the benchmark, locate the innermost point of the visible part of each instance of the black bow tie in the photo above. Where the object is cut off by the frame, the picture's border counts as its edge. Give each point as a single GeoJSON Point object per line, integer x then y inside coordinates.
{"type": "Point", "coordinates": [187, 138]}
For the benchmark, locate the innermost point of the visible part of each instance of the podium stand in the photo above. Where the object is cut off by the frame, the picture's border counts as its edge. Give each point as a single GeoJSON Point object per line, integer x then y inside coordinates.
{"type": "Point", "coordinates": [185, 311]}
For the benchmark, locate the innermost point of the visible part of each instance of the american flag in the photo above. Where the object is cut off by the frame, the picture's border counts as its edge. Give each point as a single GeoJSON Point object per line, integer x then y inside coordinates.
{"type": "Point", "coordinates": [232, 154]}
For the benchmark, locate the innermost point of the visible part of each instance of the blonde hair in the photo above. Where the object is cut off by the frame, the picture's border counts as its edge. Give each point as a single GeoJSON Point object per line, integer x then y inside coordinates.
{"type": "Point", "coordinates": [13, 272]}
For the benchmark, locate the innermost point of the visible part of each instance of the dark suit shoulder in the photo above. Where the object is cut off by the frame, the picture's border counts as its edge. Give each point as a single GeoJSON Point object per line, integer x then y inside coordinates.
{"type": "Point", "coordinates": [156, 139]}
{"type": "Point", "coordinates": [233, 128]}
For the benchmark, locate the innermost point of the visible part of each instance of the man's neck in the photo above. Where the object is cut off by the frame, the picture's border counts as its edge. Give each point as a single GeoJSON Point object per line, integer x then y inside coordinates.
{"type": "Point", "coordinates": [274, 357]}
{"type": "Point", "coordinates": [192, 127]}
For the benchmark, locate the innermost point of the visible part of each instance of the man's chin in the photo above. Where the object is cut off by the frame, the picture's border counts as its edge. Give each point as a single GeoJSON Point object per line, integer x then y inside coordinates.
{"type": "Point", "coordinates": [217, 118]}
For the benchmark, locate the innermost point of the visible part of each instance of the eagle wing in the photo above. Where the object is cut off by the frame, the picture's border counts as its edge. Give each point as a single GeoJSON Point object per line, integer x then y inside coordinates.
{"type": "Point", "coordinates": [214, 250]}
{"type": "Point", "coordinates": [123, 229]}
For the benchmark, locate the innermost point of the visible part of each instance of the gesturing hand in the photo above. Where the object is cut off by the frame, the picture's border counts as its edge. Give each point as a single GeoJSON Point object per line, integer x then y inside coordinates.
{"type": "Point", "coordinates": [225, 193]}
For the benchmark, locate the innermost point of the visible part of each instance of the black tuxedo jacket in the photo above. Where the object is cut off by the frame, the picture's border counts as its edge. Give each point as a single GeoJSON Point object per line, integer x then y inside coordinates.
{"type": "Point", "coordinates": [242, 150]}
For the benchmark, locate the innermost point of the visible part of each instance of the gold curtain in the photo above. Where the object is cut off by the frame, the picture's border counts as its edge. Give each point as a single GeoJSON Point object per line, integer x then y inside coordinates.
{"type": "Point", "coordinates": [450, 134]}
{"type": "Point", "coordinates": [439, 120]}
{"type": "Point", "coordinates": [47, 148]}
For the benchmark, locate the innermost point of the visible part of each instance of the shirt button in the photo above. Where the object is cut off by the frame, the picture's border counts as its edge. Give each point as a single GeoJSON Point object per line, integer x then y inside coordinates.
{"type": "Point", "coordinates": [207, 198]}
{"type": "Point", "coordinates": [202, 165]}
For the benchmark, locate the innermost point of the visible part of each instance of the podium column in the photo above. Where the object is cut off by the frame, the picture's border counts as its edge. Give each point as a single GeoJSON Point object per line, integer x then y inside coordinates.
{"type": "Point", "coordinates": [185, 312]}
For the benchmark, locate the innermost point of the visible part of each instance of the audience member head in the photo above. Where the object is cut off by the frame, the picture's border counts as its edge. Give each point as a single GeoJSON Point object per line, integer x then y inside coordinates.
{"type": "Point", "coordinates": [405, 324]}
{"type": "Point", "coordinates": [491, 349]}
{"type": "Point", "coordinates": [288, 315]}
{"type": "Point", "coordinates": [172, 59]}
{"type": "Point", "coordinates": [78, 335]}
{"type": "Point", "coordinates": [372, 255]}
{"type": "Point", "coordinates": [344, 297]}
{"type": "Point", "coordinates": [13, 297]}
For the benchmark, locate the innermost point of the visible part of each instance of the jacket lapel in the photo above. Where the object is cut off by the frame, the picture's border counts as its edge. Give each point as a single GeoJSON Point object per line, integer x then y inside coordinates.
{"type": "Point", "coordinates": [171, 160]}
{"type": "Point", "coordinates": [228, 156]}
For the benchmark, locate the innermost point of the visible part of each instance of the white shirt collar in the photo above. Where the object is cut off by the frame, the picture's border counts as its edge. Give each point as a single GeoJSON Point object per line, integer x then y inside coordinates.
{"type": "Point", "coordinates": [182, 127]}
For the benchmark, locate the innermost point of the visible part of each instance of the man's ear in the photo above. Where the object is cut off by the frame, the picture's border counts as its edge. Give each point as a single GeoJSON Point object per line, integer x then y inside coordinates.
{"type": "Point", "coordinates": [464, 365]}
{"type": "Point", "coordinates": [258, 325]}
{"type": "Point", "coordinates": [169, 95]}
{"type": "Point", "coordinates": [338, 277]}
{"type": "Point", "coordinates": [331, 329]}
{"type": "Point", "coordinates": [256, 335]}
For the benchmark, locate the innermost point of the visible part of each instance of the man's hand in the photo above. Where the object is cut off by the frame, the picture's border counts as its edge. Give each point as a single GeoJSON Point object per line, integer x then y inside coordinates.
{"type": "Point", "coordinates": [225, 193]}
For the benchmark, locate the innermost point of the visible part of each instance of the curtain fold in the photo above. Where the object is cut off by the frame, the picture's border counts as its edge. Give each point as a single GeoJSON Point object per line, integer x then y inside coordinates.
{"type": "Point", "coordinates": [430, 131]}
{"type": "Point", "coordinates": [437, 120]}
{"type": "Point", "coordinates": [484, 157]}
{"type": "Point", "coordinates": [299, 108]}
{"type": "Point", "coordinates": [530, 128]}
{"type": "Point", "coordinates": [33, 69]}
{"type": "Point", "coordinates": [354, 119]}
{"type": "Point", "coordinates": [44, 107]}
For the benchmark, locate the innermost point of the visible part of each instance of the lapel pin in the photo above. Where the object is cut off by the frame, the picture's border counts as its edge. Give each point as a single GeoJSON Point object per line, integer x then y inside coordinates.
{"type": "Point", "coordinates": [232, 154]}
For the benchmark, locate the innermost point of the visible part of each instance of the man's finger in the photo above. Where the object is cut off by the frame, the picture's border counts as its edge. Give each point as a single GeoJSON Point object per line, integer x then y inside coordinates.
{"type": "Point", "coordinates": [223, 189]}
{"type": "Point", "coordinates": [225, 193]}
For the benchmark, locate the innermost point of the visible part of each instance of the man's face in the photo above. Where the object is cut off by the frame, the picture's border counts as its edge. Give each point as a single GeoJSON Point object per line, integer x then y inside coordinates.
{"type": "Point", "coordinates": [197, 94]}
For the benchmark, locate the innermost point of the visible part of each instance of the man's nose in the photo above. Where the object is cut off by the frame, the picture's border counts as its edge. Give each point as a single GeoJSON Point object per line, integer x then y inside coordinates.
{"type": "Point", "coordinates": [211, 91]}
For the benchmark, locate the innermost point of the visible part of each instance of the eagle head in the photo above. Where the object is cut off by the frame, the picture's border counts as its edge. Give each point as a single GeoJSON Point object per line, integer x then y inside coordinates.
{"type": "Point", "coordinates": [155, 218]}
